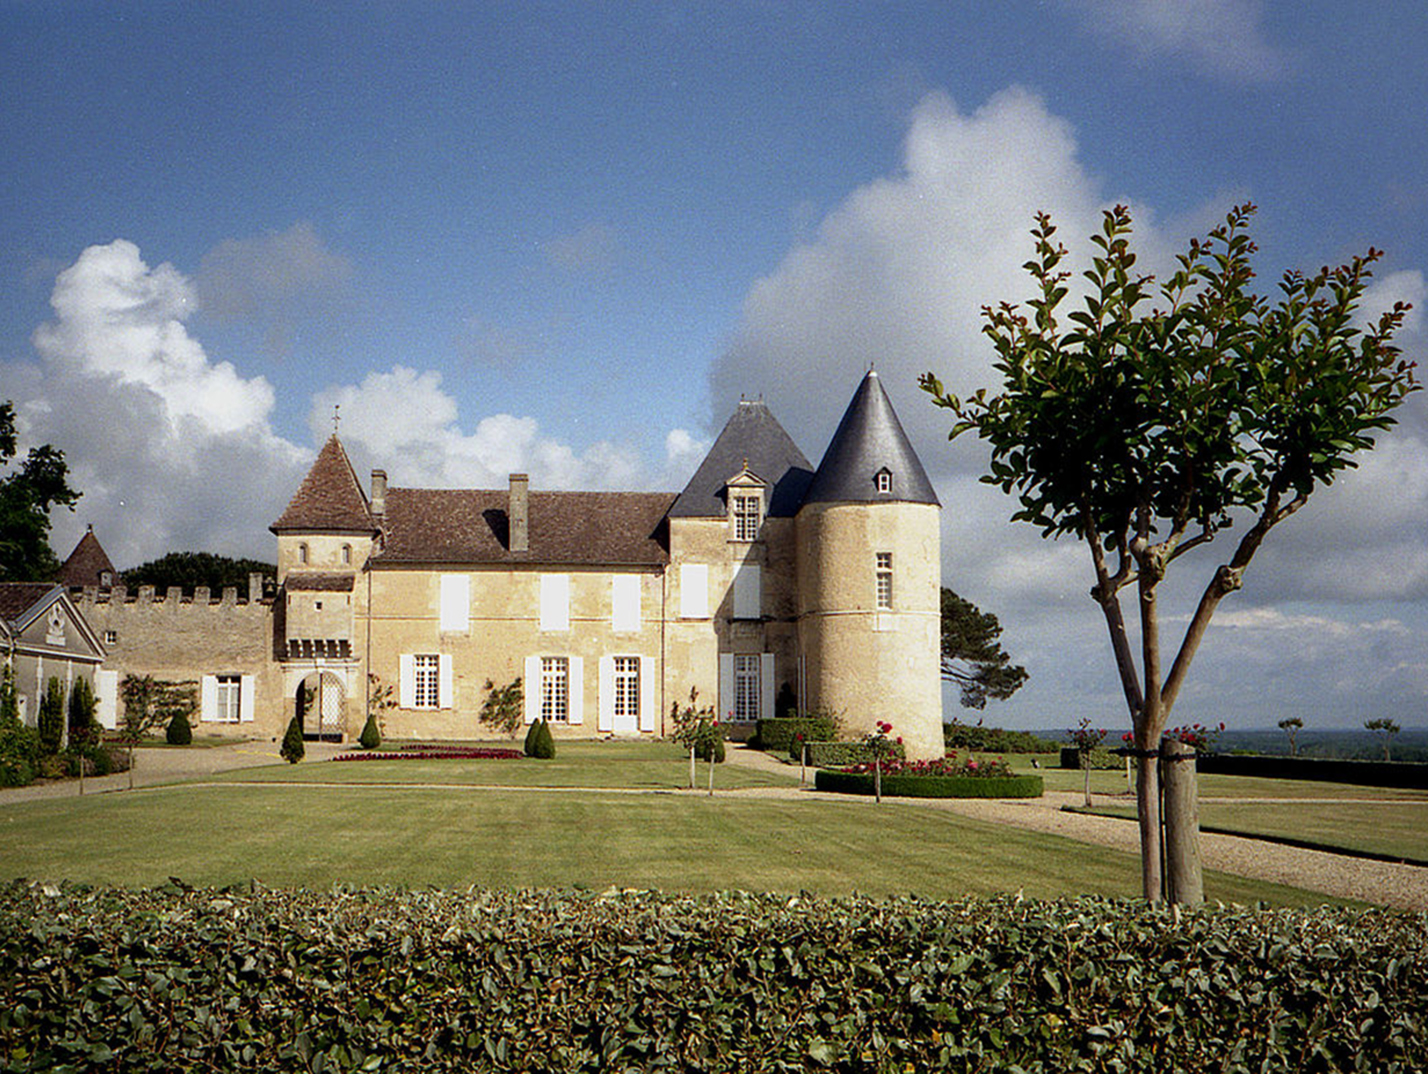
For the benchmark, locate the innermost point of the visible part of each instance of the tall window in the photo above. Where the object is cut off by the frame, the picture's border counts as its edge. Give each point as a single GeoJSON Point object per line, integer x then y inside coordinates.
{"type": "Point", "coordinates": [885, 580]}
{"type": "Point", "coordinates": [230, 695]}
{"type": "Point", "coordinates": [302, 553]}
{"type": "Point", "coordinates": [746, 686]}
{"type": "Point", "coordinates": [627, 686]}
{"type": "Point", "coordinates": [346, 555]}
{"type": "Point", "coordinates": [746, 517]}
{"type": "Point", "coordinates": [555, 689]}
{"type": "Point", "coordinates": [428, 680]}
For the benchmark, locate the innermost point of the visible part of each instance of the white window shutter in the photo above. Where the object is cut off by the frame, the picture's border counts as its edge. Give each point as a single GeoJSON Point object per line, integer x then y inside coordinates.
{"type": "Point", "coordinates": [106, 690]}
{"type": "Point", "coordinates": [444, 682]}
{"type": "Point", "coordinates": [208, 697]}
{"type": "Point", "coordinates": [625, 603]}
{"type": "Point", "coordinates": [245, 699]}
{"type": "Point", "coordinates": [577, 689]}
{"type": "Point", "coordinates": [554, 602]}
{"type": "Point", "coordinates": [766, 684]}
{"type": "Point", "coordinates": [748, 591]}
{"type": "Point", "coordinates": [605, 720]}
{"type": "Point", "coordinates": [694, 591]}
{"type": "Point", "coordinates": [532, 689]}
{"type": "Point", "coordinates": [455, 603]}
{"type": "Point", "coordinates": [726, 686]}
{"type": "Point", "coordinates": [647, 694]}
{"type": "Point", "coordinates": [406, 681]}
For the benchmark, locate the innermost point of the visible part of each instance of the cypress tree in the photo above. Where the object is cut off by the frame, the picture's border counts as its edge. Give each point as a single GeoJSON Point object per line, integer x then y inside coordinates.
{"type": "Point", "coordinates": [293, 749]}
{"type": "Point", "coordinates": [544, 742]}
{"type": "Point", "coordinates": [531, 734]}
{"type": "Point", "coordinates": [50, 720]}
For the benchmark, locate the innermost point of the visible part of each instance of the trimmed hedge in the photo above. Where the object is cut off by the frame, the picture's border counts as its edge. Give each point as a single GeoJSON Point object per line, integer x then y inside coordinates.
{"type": "Point", "coordinates": [179, 979]}
{"type": "Point", "coordinates": [842, 754]}
{"type": "Point", "coordinates": [1364, 773]}
{"type": "Point", "coordinates": [961, 736]}
{"type": "Point", "coordinates": [1102, 758]}
{"type": "Point", "coordinates": [778, 733]}
{"type": "Point", "coordinates": [904, 786]}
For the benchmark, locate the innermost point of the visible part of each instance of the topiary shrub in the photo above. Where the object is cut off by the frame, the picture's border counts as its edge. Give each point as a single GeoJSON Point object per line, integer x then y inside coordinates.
{"type": "Point", "coordinates": [371, 736]}
{"type": "Point", "coordinates": [179, 732]}
{"type": "Point", "coordinates": [293, 749]}
{"type": "Point", "coordinates": [544, 746]}
{"type": "Point", "coordinates": [841, 754]}
{"type": "Point", "coordinates": [531, 732]}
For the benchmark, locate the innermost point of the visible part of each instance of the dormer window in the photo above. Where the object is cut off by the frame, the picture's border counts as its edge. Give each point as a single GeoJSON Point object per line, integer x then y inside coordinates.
{"type": "Point", "coordinates": [747, 516]}
{"type": "Point", "coordinates": [882, 480]}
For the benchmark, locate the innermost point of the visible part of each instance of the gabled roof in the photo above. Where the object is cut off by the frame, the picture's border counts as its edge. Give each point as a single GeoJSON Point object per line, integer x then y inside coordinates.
{"type": "Point", "coordinates": [565, 528]}
{"type": "Point", "coordinates": [330, 498]}
{"type": "Point", "coordinates": [320, 581]}
{"type": "Point", "coordinates": [868, 439]}
{"type": "Point", "coordinates": [21, 603]}
{"type": "Point", "coordinates": [753, 439]}
{"type": "Point", "coordinates": [86, 563]}
{"type": "Point", "coordinates": [17, 598]}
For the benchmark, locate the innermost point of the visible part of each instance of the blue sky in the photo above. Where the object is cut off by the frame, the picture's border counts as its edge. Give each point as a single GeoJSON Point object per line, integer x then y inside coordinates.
{"type": "Point", "coordinates": [565, 238]}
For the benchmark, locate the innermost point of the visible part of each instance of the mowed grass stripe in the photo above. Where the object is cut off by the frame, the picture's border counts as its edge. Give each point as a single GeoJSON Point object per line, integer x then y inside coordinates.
{"type": "Point", "coordinates": [315, 837]}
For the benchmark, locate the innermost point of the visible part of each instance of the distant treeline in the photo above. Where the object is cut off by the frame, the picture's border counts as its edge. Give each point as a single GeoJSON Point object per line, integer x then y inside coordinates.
{"type": "Point", "coordinates": [1345, 744]}
{"type": "Point", "coordinates": [191, 569]}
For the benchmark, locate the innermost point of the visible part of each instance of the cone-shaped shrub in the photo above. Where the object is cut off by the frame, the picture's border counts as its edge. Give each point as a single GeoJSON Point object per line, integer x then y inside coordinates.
{"type": "Point", "coordinates": [50, 721]}
{"type": "Point", "coordinates": [292, 748]}
{"type": "Point", "coordinates": [371, 733]}
{"type": "Point", "coordinates": [544, 745]}
{"type": "Point", "coordinates": [179, 732]}
{"type": "Point", "coordinates": [531, 733]}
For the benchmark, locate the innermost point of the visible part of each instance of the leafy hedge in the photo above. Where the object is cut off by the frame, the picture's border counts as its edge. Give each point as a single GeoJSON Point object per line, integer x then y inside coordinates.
{"type": "Point", "coordinates": [961, 736]}
{"type": "Point", "coordinates": [1102, 759]}
{"type": "Point", "coordinates": [909, 786]}
{"type": "Point", "coordinates": [777, 734]}
{"type": "Point", "coordinates": [842, 754]}
{"type": "Point", "coordinates": [436, 981]}
{"type": "Point", "coordinates": [1363, 773]}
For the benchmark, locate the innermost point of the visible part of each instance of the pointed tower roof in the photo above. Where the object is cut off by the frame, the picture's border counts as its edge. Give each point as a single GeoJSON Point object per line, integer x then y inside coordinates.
{"type": "Point", "coordinates": [870, 439]}
{"type": "Point", "coordinates": [87, 564]}
{"type": "Point", "coordinates": [329, 498]}
{"type": "Point", "coordinates": [752, 439]}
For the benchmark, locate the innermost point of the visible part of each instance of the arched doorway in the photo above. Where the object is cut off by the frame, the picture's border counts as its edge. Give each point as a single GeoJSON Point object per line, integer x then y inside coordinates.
{"type": "Point", "coordinates": [321, 703]}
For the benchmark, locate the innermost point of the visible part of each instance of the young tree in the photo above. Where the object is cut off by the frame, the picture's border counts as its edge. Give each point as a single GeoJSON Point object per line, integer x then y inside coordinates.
{"type": "Point", "coordinates": [1086, 738]}
{"type": "Point", "coordinates": [972, 657]}
{"type": "Point", "coordinates": [1386, 729]}
{"type": "Point", "coordinates": [26, 496]}
{"type": "Point", "coordinates": [504, 708]}
{"type": "Point", "coordinates": [149, 704]}
{"type": "Point", "coordinates": [1292, 726]}
{"type": "Point", "coordinates": [1143, 430]}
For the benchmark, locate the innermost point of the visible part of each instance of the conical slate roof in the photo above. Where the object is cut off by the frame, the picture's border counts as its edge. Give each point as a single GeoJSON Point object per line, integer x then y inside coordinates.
{"type": "Point", "coordinates": [870, 439]}
{"type": "Point", "coordinates": [754, 437]}
{"type": "Point", "coordinates": [330, 497]}
{"type": "Point", "coordinates": [87, 564]}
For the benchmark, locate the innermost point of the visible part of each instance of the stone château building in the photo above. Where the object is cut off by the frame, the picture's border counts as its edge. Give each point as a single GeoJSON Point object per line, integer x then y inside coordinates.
{"type": "Point", "coordinates": [763, 573]}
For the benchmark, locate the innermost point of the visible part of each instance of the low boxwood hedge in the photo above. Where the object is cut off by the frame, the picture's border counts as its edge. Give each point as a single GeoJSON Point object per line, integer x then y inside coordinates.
{"type": "Point", "coordinates": [909, 786]}
{"type": "Point", "coordinates": [842, 754]}
{"type": "Point", "coordinates": [776, 734]}
{"type": "Point", "coordinates": [178, 979]}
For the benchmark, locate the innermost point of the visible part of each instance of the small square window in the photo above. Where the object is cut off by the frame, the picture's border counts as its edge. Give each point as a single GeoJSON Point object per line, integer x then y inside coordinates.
{"type": "Point", "coordinates": [110, 637]}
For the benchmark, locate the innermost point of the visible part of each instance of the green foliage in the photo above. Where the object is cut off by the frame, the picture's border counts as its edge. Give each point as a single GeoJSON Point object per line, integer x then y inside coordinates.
{"type": "Point", "coordinates": [50, 719]}
{"type": "Point", "coordinates": [712, 746]}
{"type": "Point", "coordinates": [371, 736]}
{"type": "Point", "coordinates": [1099, 760]}
{"type": "Point", "coordinates": [896, 785]}
{"type": "Point", "coordinates": [9, 699]}
{"type": "Point", "coordinates": [353, 980]}
{"type": "Point", "coordinates": [188, 570]}
{"type": "Point", "coordinates": [179, 732]}
{"type": "Point", "coordinates": [151, 703]}
{"type": "Point", "coordinates": [842, 754]}
{"type": "Point", "coordinates": [1291, 726]}
{"type": "Point", "coordinates": [83, 727]}
{"type": "Point", "coordinates": [972, 655]}
{"type": "Point", "coordinates": [540, 743]}
{"type": "Point", "coordinates": [26, 496]}
{"type": "Point", "coordinates": [961, 736]}
{"type": "Point", "coordinates": [783, 733]}
{"type": "Point", "coordinates": [292, 750]}
{"type": "Point", "coordinates": [504, 707]}
{"type": "Point", "coordinates": [1386, 729]}
{"type": "Point", "coordinates": [19, 753]}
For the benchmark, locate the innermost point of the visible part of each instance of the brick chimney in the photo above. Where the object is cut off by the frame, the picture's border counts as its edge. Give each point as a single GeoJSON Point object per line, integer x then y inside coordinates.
{"type": "Point", "coordinates": [518, 514]}
{"type": "Point", "coordinates": [379, 492]}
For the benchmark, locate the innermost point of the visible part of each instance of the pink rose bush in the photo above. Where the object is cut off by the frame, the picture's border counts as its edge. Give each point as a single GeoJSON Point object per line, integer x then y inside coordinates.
{"type": "Point", "coordinates": [951, 765]}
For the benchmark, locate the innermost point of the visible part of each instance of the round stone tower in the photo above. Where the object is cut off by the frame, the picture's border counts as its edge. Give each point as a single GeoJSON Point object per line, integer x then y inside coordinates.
{"type": "Point", "coordinates": [869, 578]}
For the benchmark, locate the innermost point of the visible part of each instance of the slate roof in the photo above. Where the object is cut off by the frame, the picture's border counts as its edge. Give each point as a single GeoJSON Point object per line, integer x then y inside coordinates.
{"type": "Point", "coordinates": [751, 435]}
{"type": "Point", "coordinates": [320, 581]}
{"type": "Point", "coordinates": [869, 438]}
{"type": "Point", "coordinates": [86, 563]}
{"type": "Point", "coordinates": [16, 598]}
{"type": "Point", "coordinates": [565, 528]}
{"type": "Point", "coordinates": [330, 497]}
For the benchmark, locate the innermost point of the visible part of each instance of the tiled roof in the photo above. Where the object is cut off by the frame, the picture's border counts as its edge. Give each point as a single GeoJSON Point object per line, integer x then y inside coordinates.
{"type": "Point", "coordinates": [869, 439]}
{"type": "Point", "coordinates": [752, 437]}
{"type": "Point", "coordinates": [565, 528]}
{"type": "Point", "coordinates": [86, 563]}
{"type": "Point", "coordinates": [16, 598]}
{"type": "Point", "coordinates": [330, 497]}
{"type": "Point", "coordinates": [319, 581]}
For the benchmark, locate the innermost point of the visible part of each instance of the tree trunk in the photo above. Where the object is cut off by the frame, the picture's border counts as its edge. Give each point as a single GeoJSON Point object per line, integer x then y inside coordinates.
{"type": "Point", "coordinates": [1086, 770]}
{"type": "Point", "coordinates": [1184, 884]}
{"type": "Point", "coordinates": [1147, 795]}
{"type": "Point", "coordinates": [711, 771]}
{"type": "Point", "coordinates": [692, 779]}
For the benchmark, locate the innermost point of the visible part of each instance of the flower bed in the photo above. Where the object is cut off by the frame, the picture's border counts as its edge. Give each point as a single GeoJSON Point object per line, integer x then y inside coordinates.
{"type": "Point", "coordinates": [945, 777]}
{"type": "Point", "coordinates": [435, 753]}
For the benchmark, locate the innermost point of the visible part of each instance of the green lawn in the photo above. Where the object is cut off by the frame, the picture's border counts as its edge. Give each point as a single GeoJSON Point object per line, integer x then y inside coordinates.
{"type": "Point", "coordinates": [314, 837]}
{"type": "Point", "coordinates": [645, 765]}
{"type": "Point", "coordinates": [1396, 829]}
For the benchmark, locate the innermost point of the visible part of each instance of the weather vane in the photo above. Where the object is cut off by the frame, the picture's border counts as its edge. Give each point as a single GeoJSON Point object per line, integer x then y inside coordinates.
{"type": "Point", "coordinates": [336, 417]}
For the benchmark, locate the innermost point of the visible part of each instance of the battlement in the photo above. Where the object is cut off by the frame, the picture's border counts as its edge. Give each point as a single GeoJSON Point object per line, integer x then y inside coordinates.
{"type": "Point", "coordinates": [90, 598]}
